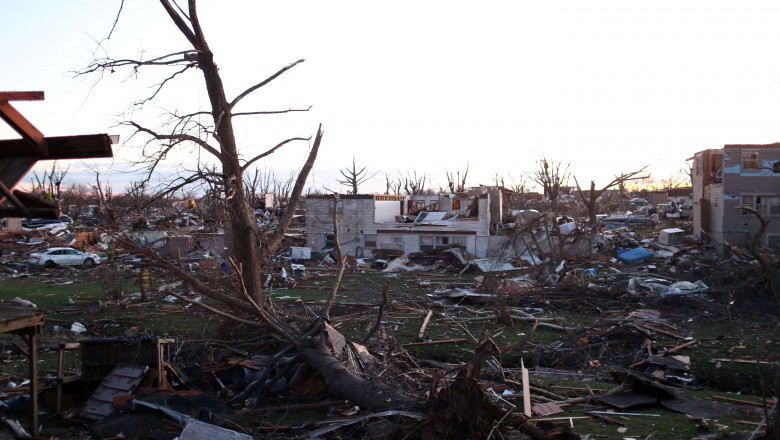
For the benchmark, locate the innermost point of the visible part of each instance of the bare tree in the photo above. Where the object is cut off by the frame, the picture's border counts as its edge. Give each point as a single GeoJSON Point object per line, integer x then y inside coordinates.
{"type": "Point", "coordinates": [499, 180]}
{"type": "Point", "coordinates": [354, 178]}
{"type": "Point", "coordinates": [316, 344]}
{"type": "Point", "coordinates": [216, 139]}
{"type": "Point", "coordinates": [103, 194]}
{"type": "Point", "coordinates": [412, 183]}
{"type": "Point", "coordinates": [392, 186]}
{"type": "Point", "coordinates": [681, 178]}
{"type": "Point", "coordinates": [282, 189]}
{"type": "Point", "coordinates": [48, 184]}
{"type": "Point", "coordinates": [76, 195]}
{"type": "Point", "coordinates": [551, 177]}
{"type": "Point", "coordinates": [455, 183]}
{"type": "Point", "coordinates": [593, 194]}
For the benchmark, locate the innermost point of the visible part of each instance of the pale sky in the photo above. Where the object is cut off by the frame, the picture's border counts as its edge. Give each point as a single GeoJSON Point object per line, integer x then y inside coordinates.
{"type": "Point", "coordinates": [425, 85]}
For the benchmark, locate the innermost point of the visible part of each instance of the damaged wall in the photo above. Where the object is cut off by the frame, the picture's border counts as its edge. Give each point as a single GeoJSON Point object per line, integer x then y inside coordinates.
{"type": "Point", "coordinates": [368, 222]}
{"type": "Point", "coordinates": [747, 175]}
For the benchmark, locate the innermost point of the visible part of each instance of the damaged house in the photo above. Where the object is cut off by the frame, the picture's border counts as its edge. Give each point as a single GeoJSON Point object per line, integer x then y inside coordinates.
{"type": "Point", "coordinates": [408, 223]}
{"type": "Point", "coordinates": [746, 175]}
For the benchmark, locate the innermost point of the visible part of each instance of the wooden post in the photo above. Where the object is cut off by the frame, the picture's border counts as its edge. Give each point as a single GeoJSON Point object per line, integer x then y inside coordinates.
{"type": "Point", "coordinates": [160, 367]}
{"type": "Point", "coordinates": [60, 375]}
{"type": "Point", "coordinates": [30, 336]}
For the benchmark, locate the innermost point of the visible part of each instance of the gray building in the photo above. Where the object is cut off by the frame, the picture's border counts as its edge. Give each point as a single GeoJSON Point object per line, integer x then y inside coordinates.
{"type": "Point", "coordinates": [746, 175]}
{"type": "Point", "coordinates": [368, 222]}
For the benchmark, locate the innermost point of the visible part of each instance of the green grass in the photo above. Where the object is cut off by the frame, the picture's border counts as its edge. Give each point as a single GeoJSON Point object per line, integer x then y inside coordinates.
{"type": "Point", "coordinates": [47, 293]}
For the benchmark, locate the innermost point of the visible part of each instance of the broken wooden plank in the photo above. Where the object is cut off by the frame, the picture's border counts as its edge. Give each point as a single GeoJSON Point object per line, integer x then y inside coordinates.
{"type": "Point", "coordinates": [589, 389]}
{"type": "Point", "coordinates": [546, 409]}
{"type": "Point", "coordinates": [425, 324]}
{"type": "Point", "coordinates": [526, 389]}
{"type": "Point", "coordinates": [663, 332]}
{"type": "Point", "coordinates": [680, 347]}
{"type": "Point", "coordinates": [606, 419]}
{"type": "Point", "coordinates": [444, 341]}
{"type": "Point", "coordinates": [294, 407]}
{"type": "Point", "coordinates": [743, 361]}
{"type": "Point", "coordinates": [744, 402]}
{"type": "Point", "coordinates": [17, 428]}
{"type": "Point", "coordinates": [535, 419]}
{"type": "Point", "coordinates": [623, 414]}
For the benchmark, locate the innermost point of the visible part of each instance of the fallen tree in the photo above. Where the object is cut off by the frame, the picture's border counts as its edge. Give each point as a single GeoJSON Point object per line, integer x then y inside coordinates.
{"type": "Point", "coordinates": [316, 346]}
{"type": "Point", "coordinates": [251, 249]}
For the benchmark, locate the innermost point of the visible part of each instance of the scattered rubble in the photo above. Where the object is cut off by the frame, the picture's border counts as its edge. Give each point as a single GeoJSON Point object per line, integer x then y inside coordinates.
{"type": "Point", "coordinates": [623, 276]}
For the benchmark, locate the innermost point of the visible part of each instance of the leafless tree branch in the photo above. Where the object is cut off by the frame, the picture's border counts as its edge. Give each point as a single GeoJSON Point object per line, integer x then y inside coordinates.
{"type": "Point", "coordinates": [272, 112]}
{"type": "Point", "coordinates": [354, 178]}
{"type": "Point", "coordinates": [262, 83]}
{"type": "Point", "coordinates": [279, 145]}
{"type": "Point", "coordinates": [177, 138]}
{"type": "Point", "coordinates": [284, 222]}
{"type": "Point", "coordinates": [181, 24]}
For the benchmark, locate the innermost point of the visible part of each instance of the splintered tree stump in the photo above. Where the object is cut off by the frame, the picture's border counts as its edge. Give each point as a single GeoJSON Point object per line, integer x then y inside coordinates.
{"type": "Point", "coordinates": [462, 408]}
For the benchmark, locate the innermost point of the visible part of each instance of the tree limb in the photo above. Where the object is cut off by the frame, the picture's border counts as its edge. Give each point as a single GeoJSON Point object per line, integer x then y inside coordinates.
{"type": "Point", "coordinates": [163, 82]}
{"type": "Point", "coordinates": [262, 83]}
{"type": "Point", "coordinates": [180, 23]}
{"type": "Point", "coordinates": [272, 112]}
{"type": "Point", "coordinates": [181, 137]}
{"type": "Point", "coordinates": [379, 315]}
{"type": "Point", "coordinates": [342, 261]}
{"type": "Point", "coordinates": [194, 282]}
{"type": "Point", "coordinates": [273, 323]}
{"type": "Point", "coordinates": [111, 64]}
{"type": "Point", "coordinates": [269, 152]}
{"type": "Point", "coordinates": [276, 237]}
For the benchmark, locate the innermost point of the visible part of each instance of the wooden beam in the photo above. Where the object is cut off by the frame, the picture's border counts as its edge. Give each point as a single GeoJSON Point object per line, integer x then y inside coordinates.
{"type": "Point", "coordinates": [20, 323]}
{"type": "Point", "coordinates": [33, 345]}
{"type": "Point", "coordinates": [6, 193]}
{"type": "Point", "coordinates": [13, 169]}
{"type": "Point", "coordinates": [24, 127]}
{"type": "Point", "coordinates": [88, 146]}
{"type": "Point", "coordinates": [21, 96]}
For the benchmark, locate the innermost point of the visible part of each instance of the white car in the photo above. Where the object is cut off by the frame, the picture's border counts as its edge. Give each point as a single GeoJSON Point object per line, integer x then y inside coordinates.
{"type": "Point", "coordinates": [61, 256]}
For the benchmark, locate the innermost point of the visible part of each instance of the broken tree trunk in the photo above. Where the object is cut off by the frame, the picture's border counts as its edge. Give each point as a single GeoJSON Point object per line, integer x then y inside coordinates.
{"type": "Point", "coordinates": [368, 393]}
{"type": "Point", "coordinates": [770, 272]}
{"type": "Point", "coordinates": [464, 409]}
